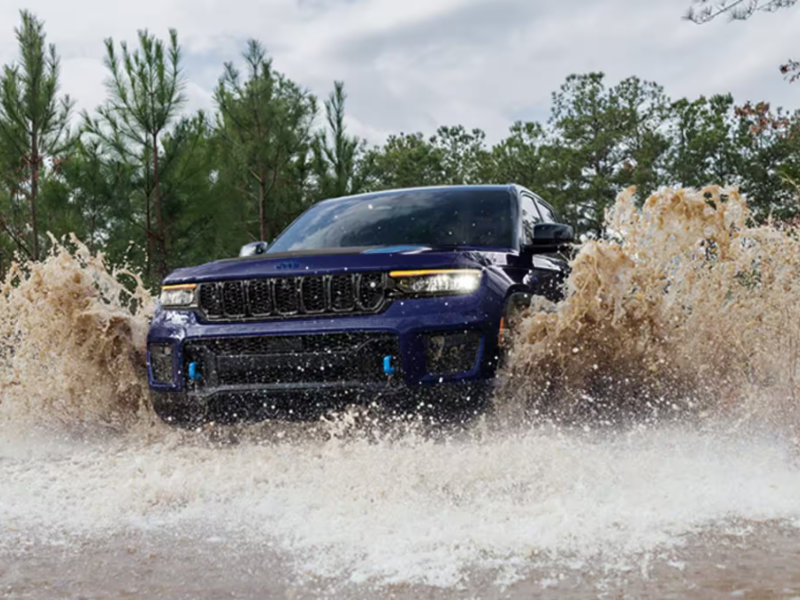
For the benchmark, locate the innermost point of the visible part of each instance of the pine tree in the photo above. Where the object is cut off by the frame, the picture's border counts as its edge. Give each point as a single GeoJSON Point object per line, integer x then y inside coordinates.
{"type": "Point", "coordinates": [264, 125]}
{"type": "Point", "coordinates": [34, 119]}
{"type": "Point", "coordinates": [334, 159]}
{"type": "Point", "coordinates": [145, 97]}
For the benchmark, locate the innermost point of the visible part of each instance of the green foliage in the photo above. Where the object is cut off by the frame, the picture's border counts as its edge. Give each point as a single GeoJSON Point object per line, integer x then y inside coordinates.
{"type": "Point", "coordinates": [144, 98]}
{"type": "Point", "coordinates": [519, 158]}
{"type": "Point", "coordinates": [768, 146]}
{"type": "Point", "coordinates": [463, 154]}
{"type": "Point", "coordinates": [202, 226]}
{"type": "Point", "coordinates": [453, 156]}
{"type": "Point", "coordinates": [604, 139]}
{"type": "Point", "coordinates": [264, 125]}
{"type": "Point", "coordinates": [703, 147]}
{"type": "Point", "coordinates": [335, 160]}
{"type": "Point", "coordinates": [101, 191]}
{"type": "Point", "coordinates": [405, 160]}
{"type": "Point", "coordinates": [33, 123]}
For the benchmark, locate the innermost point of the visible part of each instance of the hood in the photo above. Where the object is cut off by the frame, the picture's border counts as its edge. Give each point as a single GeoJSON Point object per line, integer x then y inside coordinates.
{"type": "Point", "coordinates": [336, 260]}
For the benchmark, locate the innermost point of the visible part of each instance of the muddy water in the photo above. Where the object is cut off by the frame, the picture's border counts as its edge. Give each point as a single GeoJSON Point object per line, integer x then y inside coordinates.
{"type": "Point", "coordinates": [658, 459]}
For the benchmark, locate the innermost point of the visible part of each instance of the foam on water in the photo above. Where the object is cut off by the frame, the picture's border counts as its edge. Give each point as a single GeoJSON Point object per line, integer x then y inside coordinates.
{"type": "Point", "coordinates": [413, 509]}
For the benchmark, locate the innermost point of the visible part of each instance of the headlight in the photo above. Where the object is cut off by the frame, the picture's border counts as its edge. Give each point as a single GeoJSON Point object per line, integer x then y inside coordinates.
{"type": "Point", "coordinates": [434, 282]}
{"type": "Point", "coordinates": [178, 296]}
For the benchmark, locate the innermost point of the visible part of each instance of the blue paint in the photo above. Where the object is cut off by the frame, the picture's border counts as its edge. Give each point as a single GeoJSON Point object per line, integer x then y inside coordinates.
{"type": "Point", "coordinates": [388, 368]}
{"type": "Point", "coordinates": [194, 371]}
{"type": "Point", "coordinates": [287, 265]}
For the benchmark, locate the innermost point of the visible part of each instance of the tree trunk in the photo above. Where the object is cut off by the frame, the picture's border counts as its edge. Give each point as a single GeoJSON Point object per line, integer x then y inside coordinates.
{"type": "Point", "coordinates": [148, 237]}
{"type": "Point", "coordinates": [161, 249]}
{"type": "Point", "coordinates": [34, 160]}
{"type": "Point", "coordinates": [262, 206]}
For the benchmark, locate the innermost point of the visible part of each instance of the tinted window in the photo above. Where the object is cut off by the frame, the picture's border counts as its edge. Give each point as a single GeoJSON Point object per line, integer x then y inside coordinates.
{"type": "Point", "coordinates": [547, 214]}
{"type": "Point", "coordinates": [529, 218]}
{"type": "Point", "coordinates": [434, 217]}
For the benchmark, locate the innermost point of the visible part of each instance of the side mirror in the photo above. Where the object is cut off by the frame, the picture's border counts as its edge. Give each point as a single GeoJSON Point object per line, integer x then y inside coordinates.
{"type": "Point", "coordinates": [254, 249]}
{"type": "Point", "coordinates": [551, 237]}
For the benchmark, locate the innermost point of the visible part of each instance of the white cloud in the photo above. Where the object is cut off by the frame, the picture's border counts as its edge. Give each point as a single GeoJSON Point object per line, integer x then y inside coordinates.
{"type": "Point", "coordinates": [416, 64]}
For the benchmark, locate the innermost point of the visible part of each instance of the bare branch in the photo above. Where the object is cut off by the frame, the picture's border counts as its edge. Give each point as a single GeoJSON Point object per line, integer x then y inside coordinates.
{"type": "Point", "coordinates": [737, 10]}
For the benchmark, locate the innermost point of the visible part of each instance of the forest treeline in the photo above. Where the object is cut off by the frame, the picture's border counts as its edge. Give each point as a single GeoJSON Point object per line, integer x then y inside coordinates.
{"type": "Point", "coordinates": [156, 186]}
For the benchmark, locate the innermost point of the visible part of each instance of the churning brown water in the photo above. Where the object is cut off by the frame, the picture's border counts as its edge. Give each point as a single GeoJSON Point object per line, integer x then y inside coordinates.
{"type": "Point", "coordinates": [688, 321]}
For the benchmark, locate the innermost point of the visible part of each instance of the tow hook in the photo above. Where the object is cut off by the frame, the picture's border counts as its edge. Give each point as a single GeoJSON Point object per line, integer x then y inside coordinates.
{"type": "Point", "coordinates": [194, 371]}
{"type": "Point", "coordinates": [388, 367]}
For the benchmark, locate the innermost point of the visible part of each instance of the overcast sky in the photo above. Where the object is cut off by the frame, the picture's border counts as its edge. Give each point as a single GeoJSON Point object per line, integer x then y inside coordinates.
{"type": "Point", "coordinates": [411, 65]}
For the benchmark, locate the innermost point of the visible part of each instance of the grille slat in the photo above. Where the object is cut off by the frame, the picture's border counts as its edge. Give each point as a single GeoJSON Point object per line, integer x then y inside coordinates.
{"type": "Point", "coordinates": [371, 290]}
{"type": "Point", "coordinates": [294, 296]}
{"type": "Point", "coordinates": [312, 290]}
{"type": "Point", "coordinates": [342, 293]}
{"type": "Point", "coordinates": [287, 300]}
{"type": "Point", "coordinates": [233, 298]}
{"type": "Point", "coordinates": [259, 295]}
{"type": "Point", "coordinates": [211, 299]}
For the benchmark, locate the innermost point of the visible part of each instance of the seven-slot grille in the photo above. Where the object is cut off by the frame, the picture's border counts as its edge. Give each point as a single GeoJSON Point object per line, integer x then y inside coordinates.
{"type": "Point", "coordinates": [281, 297]}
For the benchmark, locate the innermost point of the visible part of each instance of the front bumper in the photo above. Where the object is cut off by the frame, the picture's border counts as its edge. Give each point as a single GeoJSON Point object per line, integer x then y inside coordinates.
{"type": "Point", "coordinates": [243, 370]}
{"type": "Point", "coordinates": [453, 399]}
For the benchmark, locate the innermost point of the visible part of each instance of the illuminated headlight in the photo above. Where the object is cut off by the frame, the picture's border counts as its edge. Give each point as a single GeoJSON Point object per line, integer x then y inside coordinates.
{"type": "Point", "coordinates": [178, 296]}
{"type": "Point", "coordinates": [437, 282]}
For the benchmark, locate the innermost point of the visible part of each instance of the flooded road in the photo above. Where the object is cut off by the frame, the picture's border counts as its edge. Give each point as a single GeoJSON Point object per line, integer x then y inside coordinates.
{"type": "Point", "coordinates": [296, 512]}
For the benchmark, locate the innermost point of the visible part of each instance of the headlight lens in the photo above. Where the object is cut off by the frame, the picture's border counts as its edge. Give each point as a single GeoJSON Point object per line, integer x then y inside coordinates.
{"type": "Point", "coordinates": [178, 296]}
{"type": "Point", "coordinates": [437, 282]}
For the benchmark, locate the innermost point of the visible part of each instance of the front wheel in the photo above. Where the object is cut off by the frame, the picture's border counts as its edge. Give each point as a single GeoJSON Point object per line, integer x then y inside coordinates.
{"type": "Point", "coordinates": [513, 315]}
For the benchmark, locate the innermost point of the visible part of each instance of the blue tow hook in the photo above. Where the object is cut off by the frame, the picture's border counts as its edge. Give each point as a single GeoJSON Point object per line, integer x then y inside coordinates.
{"type": "Point", "coordinates": [388, 369]}
{"type": "Point", "coordinates": [194, 371]}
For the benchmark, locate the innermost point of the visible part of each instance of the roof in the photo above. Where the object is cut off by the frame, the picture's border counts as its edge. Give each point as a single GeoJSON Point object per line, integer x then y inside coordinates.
{"type": "Point", "coordinates": [510, 187]}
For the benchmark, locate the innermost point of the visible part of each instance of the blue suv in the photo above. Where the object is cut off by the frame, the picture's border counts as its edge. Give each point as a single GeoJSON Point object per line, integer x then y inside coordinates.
{"type": "Point", "coordinates": [397, 297]}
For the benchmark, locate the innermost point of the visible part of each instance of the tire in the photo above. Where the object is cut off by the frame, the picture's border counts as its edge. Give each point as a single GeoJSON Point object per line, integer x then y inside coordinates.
{"type": "Point", "coordinates": [516, 304]}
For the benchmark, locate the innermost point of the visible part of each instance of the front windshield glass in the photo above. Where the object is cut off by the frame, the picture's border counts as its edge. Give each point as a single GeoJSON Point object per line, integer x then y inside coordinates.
{"type": "Point", "coordinates": [430, 217]}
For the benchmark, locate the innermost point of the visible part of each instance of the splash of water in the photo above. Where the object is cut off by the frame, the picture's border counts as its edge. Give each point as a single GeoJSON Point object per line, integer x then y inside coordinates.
{"type": "Point", "coordinates": [72, 340]}
{"type": "Point", "coordinates": [687, 304]}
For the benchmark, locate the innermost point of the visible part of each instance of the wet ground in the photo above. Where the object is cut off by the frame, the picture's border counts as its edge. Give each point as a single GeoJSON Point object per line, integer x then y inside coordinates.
{"type": "Point", "coordinates": [660, 512]}
{"type": "Point", "coordinates": [761, 562]}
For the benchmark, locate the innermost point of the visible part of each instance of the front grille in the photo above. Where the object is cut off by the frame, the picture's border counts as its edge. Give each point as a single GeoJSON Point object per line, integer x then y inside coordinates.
{"type": "Point", "coordinates": [282, 297]}
{"type": "Point", "coordinates": [292, 359]}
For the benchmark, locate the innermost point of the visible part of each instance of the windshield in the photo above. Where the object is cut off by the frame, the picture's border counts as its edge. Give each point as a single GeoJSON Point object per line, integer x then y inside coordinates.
{"type": "Point", "coordinates": [430, 217]}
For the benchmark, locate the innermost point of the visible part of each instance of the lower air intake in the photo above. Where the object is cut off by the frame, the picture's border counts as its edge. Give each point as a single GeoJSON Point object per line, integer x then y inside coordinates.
{"type": "Point", "coordinates": [451, 353]}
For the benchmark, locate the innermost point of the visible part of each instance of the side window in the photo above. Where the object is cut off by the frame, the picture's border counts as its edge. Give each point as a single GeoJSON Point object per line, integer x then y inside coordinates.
{"type": "Point", "coordinates": [529, 217]}
{"type": "Point", "coordinates": [546, 211]}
